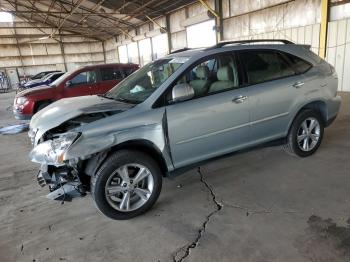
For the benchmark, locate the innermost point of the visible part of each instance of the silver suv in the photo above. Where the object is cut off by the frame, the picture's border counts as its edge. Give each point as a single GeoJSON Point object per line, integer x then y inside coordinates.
{"type": "Point", "coordinates": [178, 111]}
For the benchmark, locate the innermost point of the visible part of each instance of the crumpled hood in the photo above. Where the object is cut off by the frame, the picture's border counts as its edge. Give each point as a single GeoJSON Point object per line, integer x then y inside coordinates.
{"type": "Point", "coordinates": [68, 108]}
{"type": "Point", "coordinates": [34, 90]}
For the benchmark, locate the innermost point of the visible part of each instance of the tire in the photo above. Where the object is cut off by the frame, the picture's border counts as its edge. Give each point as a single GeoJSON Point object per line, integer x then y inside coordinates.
{"type": "Point", "coordinates": [298, 130]}
{"type": "Point", "coordinates": [110, 201]}
{"type": "Point", "coordinates": [41, 106]}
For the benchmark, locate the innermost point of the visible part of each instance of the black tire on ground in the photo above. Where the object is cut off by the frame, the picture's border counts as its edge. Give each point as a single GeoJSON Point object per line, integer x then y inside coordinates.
{"type": "Point", "coordinates": [108, 168]}
{"type": "Point", "coordinates": [41, 106]}
{"type": "Point", "coordinates": [292, 147]}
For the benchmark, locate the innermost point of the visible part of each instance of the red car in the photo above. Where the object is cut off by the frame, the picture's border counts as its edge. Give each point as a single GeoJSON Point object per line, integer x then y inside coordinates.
{"type": "Point", "coordinates": [87, 80]}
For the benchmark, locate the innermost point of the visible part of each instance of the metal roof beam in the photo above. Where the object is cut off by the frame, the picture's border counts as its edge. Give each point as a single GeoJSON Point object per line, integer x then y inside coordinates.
{"type": "Point", "coordinates": [76, 6]}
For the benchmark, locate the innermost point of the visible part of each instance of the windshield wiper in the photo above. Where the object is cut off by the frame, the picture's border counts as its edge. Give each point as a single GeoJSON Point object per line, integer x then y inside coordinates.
{"type": "Point", "coordinates": [120, 99]}
{"type": "Point", "coordinates": [124, 100]}
{"type": "Point", "coordinates": [105, 96]}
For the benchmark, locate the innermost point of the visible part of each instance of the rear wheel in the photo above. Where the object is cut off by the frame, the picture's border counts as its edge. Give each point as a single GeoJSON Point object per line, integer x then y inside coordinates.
{"type": "Point", "coordinates": [127, 185]}
{"type": "Point", "coordinates": [306, 134]}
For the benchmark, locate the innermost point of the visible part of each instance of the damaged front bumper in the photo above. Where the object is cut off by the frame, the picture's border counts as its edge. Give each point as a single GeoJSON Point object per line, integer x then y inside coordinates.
{"type": "Point", "coordinates": [63, 182]}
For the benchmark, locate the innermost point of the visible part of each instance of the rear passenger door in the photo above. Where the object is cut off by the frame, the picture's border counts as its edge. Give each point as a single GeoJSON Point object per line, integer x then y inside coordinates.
{"type": "Point", "coordinates": [272, 89]}
{"type": "Point", "coordinates": [216, 120]}
{"type": "Point", "coordinates": [110, 76]}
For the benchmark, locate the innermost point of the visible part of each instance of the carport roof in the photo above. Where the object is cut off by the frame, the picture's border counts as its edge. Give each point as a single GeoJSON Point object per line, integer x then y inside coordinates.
{"type": "Point", "coordinates": [100, 19]}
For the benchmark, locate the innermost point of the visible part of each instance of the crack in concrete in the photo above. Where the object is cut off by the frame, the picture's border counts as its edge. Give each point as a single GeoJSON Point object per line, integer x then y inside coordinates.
{"type": "Point", "coordinates": [218, 206]}
{"type": "Point", "coordinates": [250, 211]}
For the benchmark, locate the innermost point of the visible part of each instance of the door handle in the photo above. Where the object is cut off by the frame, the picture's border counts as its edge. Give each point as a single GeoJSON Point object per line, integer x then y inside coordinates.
{"type": "Point", "coordinates": [298, 84]}
{"type": "Point", "coordinates": [239, 99]}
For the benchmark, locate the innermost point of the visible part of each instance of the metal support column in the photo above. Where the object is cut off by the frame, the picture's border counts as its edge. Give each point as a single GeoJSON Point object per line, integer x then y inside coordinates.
{"type": "Point", "coordinates": [324, 27]}
{"type": "Point", "coordinates": [62, 51]}
{"type": "Point", "coordinates": [18, 47]}
{"type": "Point", "coordinates": [104, 51]}
{"type": "Point", "coordinates": [219, 21]}
{"type": "Point", "coordinates": [167, 21]}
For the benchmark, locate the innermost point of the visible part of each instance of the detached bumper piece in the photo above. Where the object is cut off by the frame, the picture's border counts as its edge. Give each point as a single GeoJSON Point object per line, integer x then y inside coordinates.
{"type": "Point", "coordinates": [63, 183]}
{"type": "Point", "coordinates": [42, 181]}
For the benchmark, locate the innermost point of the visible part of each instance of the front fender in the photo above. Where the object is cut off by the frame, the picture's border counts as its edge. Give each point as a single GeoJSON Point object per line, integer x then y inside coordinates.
{"type": "Point", "coordinates": [85, 147]}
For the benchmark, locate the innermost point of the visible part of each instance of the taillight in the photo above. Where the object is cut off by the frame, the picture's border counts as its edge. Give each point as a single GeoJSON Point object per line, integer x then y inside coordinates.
{"type": "Point", "coordinates": [333, 72]}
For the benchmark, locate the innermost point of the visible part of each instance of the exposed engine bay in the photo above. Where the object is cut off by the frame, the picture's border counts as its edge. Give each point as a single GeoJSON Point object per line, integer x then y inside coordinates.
{"type": "Point", "coordinates": [67, 180]}
{"type": "Point", "coordinates": [64, 183]}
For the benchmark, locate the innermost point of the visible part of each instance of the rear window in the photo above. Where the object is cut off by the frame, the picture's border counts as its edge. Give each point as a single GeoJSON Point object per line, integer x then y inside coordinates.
{"type": "Point", "coordinates": [262, 66]}
{"type": "Point", "coordinates": [298, 64]}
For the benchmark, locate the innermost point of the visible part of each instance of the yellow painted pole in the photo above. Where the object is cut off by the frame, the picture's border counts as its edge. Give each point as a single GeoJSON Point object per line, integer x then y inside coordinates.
{"type": "Point", "coordinates": [157, 24]}
{"type": "Point", "coordinates": [211, 10]}
{"type": "Point", "coordinates": [324, 27]}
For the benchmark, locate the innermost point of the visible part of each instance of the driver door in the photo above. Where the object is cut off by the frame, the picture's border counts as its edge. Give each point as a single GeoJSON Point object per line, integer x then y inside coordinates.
{"type": "Point", "coordinates": [82, 84]}
{"type": "Point", "coordinates": [216, 120]}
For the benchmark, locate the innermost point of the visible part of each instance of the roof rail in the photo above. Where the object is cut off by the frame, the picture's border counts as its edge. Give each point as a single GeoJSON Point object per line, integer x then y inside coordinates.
{"type": "Point", "coordinates": [248, 41]}
{"type": "Point", "coordinates": [180, 50]}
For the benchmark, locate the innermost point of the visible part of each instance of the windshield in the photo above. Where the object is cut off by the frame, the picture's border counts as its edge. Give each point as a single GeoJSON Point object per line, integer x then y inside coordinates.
{"type": "Point", "coordinates": [39, 76]}
{"type": "Point", "coordinates": [60, 79]}
{"type": "Point", "coordinates": [47, 77]}
{"type": "Point", "coordinates": [141, 84]}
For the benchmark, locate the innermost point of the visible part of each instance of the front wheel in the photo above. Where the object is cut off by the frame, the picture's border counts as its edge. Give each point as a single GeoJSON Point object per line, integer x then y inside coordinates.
{"type": "Point", "coordinates": [127, 185]}
{"type": "Point", "coordinates": [41, 106]}
{"type": "Point", "coordinates": [306, 134]}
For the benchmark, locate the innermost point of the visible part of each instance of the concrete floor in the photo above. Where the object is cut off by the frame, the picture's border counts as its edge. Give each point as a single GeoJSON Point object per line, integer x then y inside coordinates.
{"type": "Point", "coordinates": [262, 205]}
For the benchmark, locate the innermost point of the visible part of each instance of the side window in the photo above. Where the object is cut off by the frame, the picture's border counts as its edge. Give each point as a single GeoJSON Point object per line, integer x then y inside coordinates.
{"type": "Point", "coordinates": [216, 74]}
{"type": "Point", "coordinates": [110, 73]}
{"type": "Point", "coordinates": [298, 64]}
{"type": "Point", "coordinates": [262, 66]}
{"type": "Point", "coordinates": [54, 77]}
{"type": "Point", "coordinates": [87, 77]}
{"type": "Point", "coordinates": [41, 75]}
{"type": "Point", "coordinates": [127, 71]}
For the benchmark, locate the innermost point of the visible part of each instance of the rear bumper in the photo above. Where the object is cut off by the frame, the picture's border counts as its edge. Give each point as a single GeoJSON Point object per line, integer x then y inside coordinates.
{"type": "Point", "coordinates": [333, 109]}
{"type": "Point", "coordinates": [331, 120]}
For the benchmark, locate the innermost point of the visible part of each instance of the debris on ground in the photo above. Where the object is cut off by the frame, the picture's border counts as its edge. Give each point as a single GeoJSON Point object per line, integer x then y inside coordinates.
{"type": "Point", "coordinates": [14, 129]}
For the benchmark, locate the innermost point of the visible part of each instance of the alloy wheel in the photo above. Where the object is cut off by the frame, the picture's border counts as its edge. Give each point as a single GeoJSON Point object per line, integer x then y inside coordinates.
{"type": "Point", "coordinates": [308, 134]}
{"type": "Point", "coordinates": [129, 187]}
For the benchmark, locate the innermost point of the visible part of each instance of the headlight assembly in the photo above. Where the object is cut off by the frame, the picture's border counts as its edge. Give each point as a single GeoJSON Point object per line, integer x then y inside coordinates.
{"type": "Point", "coordinates": [21, 100]}
{"type": "Point", "coordinates": [52, 152]}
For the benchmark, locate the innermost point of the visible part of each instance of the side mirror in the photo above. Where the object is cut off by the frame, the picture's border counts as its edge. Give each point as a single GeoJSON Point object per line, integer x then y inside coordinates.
{"type": "Point", "coordinates": [182, 92]}
{"type": "Point", "coordinates": [68, 83]}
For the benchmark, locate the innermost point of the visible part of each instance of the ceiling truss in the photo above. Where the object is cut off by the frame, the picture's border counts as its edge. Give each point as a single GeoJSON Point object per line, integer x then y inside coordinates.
{"type": "Point", "coordinates": [97, 19]}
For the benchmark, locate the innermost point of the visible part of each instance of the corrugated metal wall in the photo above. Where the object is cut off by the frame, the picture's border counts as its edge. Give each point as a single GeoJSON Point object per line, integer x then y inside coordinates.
{"type": "Point", "coordinates": [31, 57]}
{"type": "Point", "coordinates": [338, 51]}
{"type": "Point", "coordinates": [298, 21]}
{"type": "Point", "coordinates": [295, 20]}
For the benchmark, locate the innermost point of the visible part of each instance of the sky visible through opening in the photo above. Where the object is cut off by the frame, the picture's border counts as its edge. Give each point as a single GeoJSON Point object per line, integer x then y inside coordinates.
{"type": "Point", "coordinates": [6, 17]}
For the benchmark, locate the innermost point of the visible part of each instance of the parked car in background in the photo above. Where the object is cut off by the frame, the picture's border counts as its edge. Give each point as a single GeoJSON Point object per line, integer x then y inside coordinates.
{"type": "Point", "coordinates": [37, 76]}
{"type": "Point", "coordinates": [46, 80]}
{"type": "Point", "coordinates": [87, 80]}
{"type": "Point", "coordinates": [178, 111]}
{"type": "Point", "coordinates": [42, 74]}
